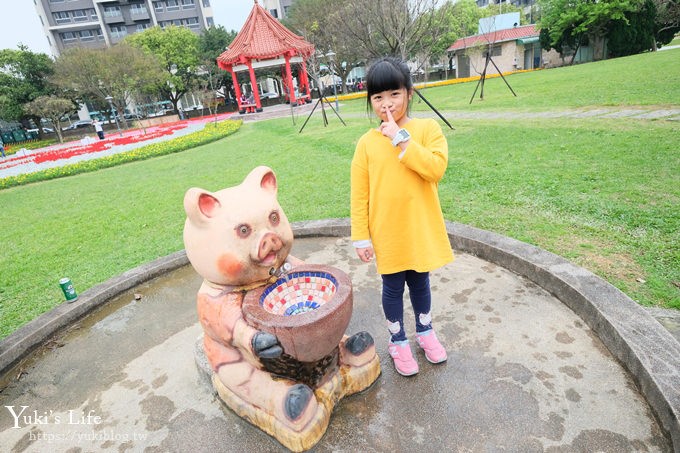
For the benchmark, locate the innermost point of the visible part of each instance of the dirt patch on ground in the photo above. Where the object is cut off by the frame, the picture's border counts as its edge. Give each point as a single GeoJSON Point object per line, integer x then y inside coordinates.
{"type": "Point", "coordinates": [614, 266]}
{"type": "Point", "coordinates": [596, 256]}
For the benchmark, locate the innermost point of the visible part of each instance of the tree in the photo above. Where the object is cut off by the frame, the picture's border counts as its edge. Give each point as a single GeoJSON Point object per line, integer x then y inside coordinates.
{"type": "Point", "coordinates": [572, 22]}
{"type": "Point", "coordinates": [667, 20]}
{"type": "Point", "coordinates": [52, 108]}
{"type": "Point", "coordinates": [23, 77]}
{"type": "Point", "coordinates": [461, 19]}
{"type": "Point", "coordinates": [317, 23]}
{"type": "Point", "coordinates": [392, 27]}
{"type": "Point", "coordinates": [121, 72]}
{"type": "Point", "coordinates": [177, 51]}
{"type": "Point", "coordinates": [211, 44]}
{"type": "Point", "coordinates": [633, 35]}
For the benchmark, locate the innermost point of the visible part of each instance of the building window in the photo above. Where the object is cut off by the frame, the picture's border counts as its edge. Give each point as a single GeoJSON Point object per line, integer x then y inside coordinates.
{"type": "Point", "coordinates": [56, 1]}
{"type": "Point", "coordinates": [206, 3]}
{"type": "Point", "coordinates": [158, 6]}
{"type": "Point", "coordinates": [68, 37]}
{"type": "Point", "coordinates": [496, 50]}
{"type": "Point", "coordinates": [41, 20]}
{"type": "Point", "coordinates": [210, 21]}
{"type": "Point", "coordinates": [112, 11]}
{"type": "Point", "coordinates": [93, 15]}
{"type": "Point", "coordinates": [80, 15]}
{"type": "Point", "coordinates": [138, 9]}
{"type": "Point", "coordinates": [86, 35]}
{"type": "Point", "coordinates": [171, 5]}
{"type": "Point", "coordinates": [274, 12]}
{"type": "Point", "coordinates": [118, 31]}
{"type": "Point", "coordinates": [62, 17]}
{"type": "Point", "coordinates": [188, 4]}
{"type": "Point", "coordinates": [144, 26]}
{"type": "Point", "coordinates": [192, 22]}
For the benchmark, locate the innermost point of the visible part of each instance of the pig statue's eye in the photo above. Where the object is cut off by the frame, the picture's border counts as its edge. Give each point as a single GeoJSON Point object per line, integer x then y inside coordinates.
{"type": "Point", "coordinates": [274, 218]}
{"type": "Point", "coordinates": [243, 230]}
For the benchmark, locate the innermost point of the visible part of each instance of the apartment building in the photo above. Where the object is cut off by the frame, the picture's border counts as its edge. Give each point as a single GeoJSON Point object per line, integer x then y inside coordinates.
{"type": "Point", "coordinates": [102, 23]}
{"type": "Point", "coordinates": [277, 8]}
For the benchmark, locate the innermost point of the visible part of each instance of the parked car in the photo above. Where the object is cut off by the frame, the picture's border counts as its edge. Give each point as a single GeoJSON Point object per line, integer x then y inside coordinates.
{"type": "Point", "coordinates": [77, 125]}
{"type": "Point", "coordinates": [133, 116]}
{"type": "Point", "coordinates": [160, 112]}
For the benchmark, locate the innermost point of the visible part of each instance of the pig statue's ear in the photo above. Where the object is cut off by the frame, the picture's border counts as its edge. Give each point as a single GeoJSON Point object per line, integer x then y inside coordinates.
{"type": "Point", "coordinates": [264, 177]}
{"type": "Point", "coordinates": [200, 205]}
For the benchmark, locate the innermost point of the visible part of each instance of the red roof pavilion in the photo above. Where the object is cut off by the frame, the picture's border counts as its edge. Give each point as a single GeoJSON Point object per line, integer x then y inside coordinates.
{"type": "Point", "coordinates": [262, 42]}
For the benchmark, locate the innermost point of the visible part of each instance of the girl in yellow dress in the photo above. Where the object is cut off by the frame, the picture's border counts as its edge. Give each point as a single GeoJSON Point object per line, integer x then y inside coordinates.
{"type": "Point", "coordinates": [395, 210]}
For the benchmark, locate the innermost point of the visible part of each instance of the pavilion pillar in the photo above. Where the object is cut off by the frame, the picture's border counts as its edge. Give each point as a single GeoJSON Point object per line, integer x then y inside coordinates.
{"type": "Point", "coordinates": [253, 84]}
{"type": "Point", "coordinates": [289, 79]}
{"type": "Point", "coordinates": [284, 81]}
{"type": "Point", "coordinates": [305, 79]}
{"type": "Point", "coordinates": [237, 91]}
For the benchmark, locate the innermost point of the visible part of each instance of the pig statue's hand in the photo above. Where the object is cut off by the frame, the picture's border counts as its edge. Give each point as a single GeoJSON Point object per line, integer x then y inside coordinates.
{"type": "Point", "coordinates": [266, 346]}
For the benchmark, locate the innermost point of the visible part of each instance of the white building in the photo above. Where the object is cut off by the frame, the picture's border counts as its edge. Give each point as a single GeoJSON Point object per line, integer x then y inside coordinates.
{"type": "Point", "coordinates": [102, 23]}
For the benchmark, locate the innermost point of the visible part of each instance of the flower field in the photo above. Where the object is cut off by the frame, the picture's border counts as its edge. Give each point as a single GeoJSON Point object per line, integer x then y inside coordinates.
{"type": "Point", "coordinates": [211, 132]}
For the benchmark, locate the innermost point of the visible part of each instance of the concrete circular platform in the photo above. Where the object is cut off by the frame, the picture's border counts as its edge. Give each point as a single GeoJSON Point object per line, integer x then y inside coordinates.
{"type": "Point", "coordinates": [543, 356]}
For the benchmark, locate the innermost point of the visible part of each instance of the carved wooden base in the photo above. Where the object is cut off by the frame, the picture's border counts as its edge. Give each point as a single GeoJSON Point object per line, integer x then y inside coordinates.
{"type": "Point", "coordinates": [346, 381]}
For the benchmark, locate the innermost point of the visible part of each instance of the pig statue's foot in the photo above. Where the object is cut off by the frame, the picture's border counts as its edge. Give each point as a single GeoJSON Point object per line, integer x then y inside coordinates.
{"type": "Point", "coordinates": [297, 400]}
{"type": "Point", "coordinates": [358, 343]}
{"type": "Point", "coordinates": [298, 423]}
{"type": "Point", "coordinates": [358, 357]}
{"type": "Point", "coordinates": [357, 350]}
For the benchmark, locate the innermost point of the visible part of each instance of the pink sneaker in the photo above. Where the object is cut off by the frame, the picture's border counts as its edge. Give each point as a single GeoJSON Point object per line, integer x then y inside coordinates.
{"type": "Point", "coordinates": [403, 358]}
{"type": "Point", "coordinates": [434, 351]}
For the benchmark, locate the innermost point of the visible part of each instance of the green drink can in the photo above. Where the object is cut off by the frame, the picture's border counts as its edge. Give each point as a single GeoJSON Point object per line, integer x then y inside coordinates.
{"type": "Point", "coordinates": [68, 289]}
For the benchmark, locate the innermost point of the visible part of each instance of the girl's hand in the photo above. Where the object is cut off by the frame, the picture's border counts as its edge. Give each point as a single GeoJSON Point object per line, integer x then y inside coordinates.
{"type": "Point", "coordinates": [365, 254]}
{"type": "Point", "coordinates": [389, 128]}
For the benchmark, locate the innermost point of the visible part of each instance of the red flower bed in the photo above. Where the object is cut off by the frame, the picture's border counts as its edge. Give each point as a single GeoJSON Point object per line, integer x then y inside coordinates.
{"type": "Point", "coordinates": [97, 146]}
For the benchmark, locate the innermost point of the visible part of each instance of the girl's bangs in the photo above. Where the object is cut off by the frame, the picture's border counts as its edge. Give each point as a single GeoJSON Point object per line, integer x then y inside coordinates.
{"type": "Point", "coordinates": [383, 76]}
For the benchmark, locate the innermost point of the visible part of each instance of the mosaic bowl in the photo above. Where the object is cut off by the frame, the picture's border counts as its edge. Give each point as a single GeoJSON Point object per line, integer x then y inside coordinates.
{"type": "Point", "coordinates": [307, 309]}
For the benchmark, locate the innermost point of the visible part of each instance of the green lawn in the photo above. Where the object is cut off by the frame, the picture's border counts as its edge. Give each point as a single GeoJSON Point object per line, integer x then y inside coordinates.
{"type": "Point", "coordinates": [603, 193]}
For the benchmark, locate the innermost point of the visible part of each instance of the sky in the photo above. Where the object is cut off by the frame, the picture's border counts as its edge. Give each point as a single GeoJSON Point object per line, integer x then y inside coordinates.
{"type": "Point", "coordinates": [20, 22]}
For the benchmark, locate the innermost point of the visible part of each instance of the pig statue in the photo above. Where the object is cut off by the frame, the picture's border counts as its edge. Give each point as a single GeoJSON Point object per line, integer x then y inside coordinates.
{"type": "Point", "coordinates": [238, 239]}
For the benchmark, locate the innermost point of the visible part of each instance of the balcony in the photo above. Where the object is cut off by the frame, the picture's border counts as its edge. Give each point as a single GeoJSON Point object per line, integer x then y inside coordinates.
{"type": "Point", "coordinates": [113, 17]}
{"type": "Point", "coordinates": [137, 14]}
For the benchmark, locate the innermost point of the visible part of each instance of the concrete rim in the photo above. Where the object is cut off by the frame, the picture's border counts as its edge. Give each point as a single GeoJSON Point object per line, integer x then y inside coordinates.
{"type": "Point", "coordinates": [647, 351]}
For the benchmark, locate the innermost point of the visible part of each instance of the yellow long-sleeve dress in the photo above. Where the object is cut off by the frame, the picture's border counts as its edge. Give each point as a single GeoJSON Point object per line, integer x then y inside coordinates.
{"type": "Point", "coordinates": [395, 201]}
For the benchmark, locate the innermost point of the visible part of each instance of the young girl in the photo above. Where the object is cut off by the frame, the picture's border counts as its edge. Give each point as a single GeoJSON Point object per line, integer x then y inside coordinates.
{"type": "Point", "coordinates": [395, 208]}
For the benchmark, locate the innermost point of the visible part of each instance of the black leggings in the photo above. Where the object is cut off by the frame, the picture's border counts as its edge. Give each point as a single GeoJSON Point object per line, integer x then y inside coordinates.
{"type": "Point", "coordinates": [393, 301]}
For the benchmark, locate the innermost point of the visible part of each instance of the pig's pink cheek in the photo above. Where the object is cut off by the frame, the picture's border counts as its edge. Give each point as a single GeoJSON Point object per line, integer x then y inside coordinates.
{"type": "Point", "coordinates": [229, 265]}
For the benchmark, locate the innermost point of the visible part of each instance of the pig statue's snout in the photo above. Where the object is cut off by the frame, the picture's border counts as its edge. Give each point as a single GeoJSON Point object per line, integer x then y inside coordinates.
{"type": "Point", "coordinates": [270, 244]}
